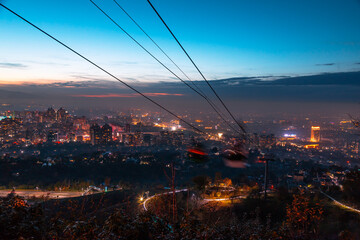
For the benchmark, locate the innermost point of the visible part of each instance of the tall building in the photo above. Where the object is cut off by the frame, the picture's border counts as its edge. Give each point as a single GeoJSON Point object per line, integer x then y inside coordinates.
{"type": "Point", "coordinates": [127, 128]}
{"type": "Point", "coordinates": [165, 138]}
{"type": "Point", "coordinates": [61, 114]}
{"type": "Point", "coordinates": [100, 134]}
{"type": "Point", "coordinates": [28, 134]}
{"type": "Point", "coordinates": [50, 114]}
{"type": "Point", "coordinates": [81, 123]}
{"type": "Point", "coordinates": [51, 136]}
{"type": "Point", "coordinates": [267, 140]}
{"type": "Point", "coordinates": [95, 134]}
{"type": "Point", "coordinates": [315, 134]}
{"type": "Point", "coordinates": [10, 128]}
{"type": "Point", "coordinates": [106, 133]}
{"type": "Point", "coordinates": [147, 139]}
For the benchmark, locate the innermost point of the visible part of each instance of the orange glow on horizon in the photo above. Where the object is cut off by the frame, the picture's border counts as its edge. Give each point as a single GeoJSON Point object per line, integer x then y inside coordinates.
{"type": "Point", "coordinates": [18, 82]}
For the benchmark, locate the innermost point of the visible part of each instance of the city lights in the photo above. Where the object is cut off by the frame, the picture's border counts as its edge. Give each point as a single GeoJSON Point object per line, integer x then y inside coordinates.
{"type": "Point", "coordinates": [211, 120]}
{"type": "Point", "coordinates": [315, 134]}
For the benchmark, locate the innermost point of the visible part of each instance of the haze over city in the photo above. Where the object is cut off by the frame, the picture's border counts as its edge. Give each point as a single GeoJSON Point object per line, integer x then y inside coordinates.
{"type": "Point", "coordinates": [155, 119]}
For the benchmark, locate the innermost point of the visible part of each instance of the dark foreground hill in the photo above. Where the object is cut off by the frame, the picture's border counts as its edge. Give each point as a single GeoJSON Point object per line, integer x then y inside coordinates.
{"type": "Point", "coordinates": [115, 215]}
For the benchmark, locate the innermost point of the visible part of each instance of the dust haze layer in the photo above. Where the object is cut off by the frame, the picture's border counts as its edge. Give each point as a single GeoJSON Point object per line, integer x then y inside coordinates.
{"type": "Point", "coordinates": [328, 93]}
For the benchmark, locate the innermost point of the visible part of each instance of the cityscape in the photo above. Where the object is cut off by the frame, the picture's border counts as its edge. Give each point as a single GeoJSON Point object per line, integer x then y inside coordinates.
{"type": "Point", "coordinates": [172, 134]}
{"type": "Point", "coordinates": [121, 152]}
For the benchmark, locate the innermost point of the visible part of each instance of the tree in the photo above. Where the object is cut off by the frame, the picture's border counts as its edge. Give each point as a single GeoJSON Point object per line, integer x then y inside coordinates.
{"type": "Point", "coordinates": [352, 187]}
{"type": "Point", "coordinates": [201, 182]}
{"type": "Point", "coordinates": [303, 218]}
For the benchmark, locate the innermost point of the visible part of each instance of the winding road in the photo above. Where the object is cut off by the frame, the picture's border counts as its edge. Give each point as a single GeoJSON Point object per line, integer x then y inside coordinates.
{"type": "Point", "coordinates": [341, 204]}
{"type": "Point", "coordinates": [184, 190]}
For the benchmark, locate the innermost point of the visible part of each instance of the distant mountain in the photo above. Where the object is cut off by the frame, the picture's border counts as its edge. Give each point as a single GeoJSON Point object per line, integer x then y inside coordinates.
{"type": "Point", "coordinates": [342, 78]}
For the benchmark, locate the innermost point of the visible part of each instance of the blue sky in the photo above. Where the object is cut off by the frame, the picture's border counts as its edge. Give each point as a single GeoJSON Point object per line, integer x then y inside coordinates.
{"type": "Point", "coordinates": [225, 38]}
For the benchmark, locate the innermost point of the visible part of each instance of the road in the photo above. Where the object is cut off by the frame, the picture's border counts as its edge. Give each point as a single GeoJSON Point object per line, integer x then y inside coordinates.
{"type": "Point", "coordinates": [341, 204]}
{"type": "Point", "coordinates": [149, 198]}
{"type": "Point", "coordinates": [206, 200]}
{"type": "Point", "coordinates": [50, 194]}
{"type": "Point", "coordinates": [222, 199]}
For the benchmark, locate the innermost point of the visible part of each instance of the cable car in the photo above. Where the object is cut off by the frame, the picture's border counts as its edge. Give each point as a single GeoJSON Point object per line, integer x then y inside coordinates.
{"type": "Point", "coordinates": [197, 153]}
{"type": "Point", "coordinates": [235, 157]}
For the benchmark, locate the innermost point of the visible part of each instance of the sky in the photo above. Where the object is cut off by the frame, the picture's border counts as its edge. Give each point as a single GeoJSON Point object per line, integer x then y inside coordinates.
{"type": "Point", "coordinates": [225, 38]}
{"type": "Point", "coordinates": [261, 40]}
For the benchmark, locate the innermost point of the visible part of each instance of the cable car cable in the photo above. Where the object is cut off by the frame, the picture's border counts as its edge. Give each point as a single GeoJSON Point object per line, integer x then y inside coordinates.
{"type": "Point", "coordinates": [218, 97]}
{"type": "Point", "coordinates": [157, 45]}
{"type": "Point", "coordinates": [139, 44]}
{"type": "Point", "coordinates": [102, 69]}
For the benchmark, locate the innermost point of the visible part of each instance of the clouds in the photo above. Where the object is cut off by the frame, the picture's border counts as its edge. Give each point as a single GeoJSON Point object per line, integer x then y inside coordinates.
{"type": "Point", "coordinates": [243, 94]}
{"type": "Point", "coordinates": [87, 77]}
{"type": "Point", "coordinates": [130, 95]}
{"type": "Point", "coordinates": [100, 86]}
{"type": "Point", "coordinates": [325, 64]}
{"type": "Point", "coordinates": [12, 65]}
{"type": "Point", "coordinates": [334, 79]}
{"type": "Point", "coordinates": [81, 84]}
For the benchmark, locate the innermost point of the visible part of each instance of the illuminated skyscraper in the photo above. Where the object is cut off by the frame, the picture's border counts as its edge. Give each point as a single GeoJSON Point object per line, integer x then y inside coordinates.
{"type": "Point", "coordinates": [100, 135]}
{"type": "Point", "coordinates": [106, 133]}
{"type": "Point", "coordinates": [315, 134]}
{"type": "Point", "coordinates": [61, 114]}
{"type": "Point", "coordinates": [95, 134]}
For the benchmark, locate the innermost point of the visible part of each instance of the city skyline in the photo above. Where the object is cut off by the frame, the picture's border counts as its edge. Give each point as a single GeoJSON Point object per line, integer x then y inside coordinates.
{"type": "Point", "coordinates": [158, 119]}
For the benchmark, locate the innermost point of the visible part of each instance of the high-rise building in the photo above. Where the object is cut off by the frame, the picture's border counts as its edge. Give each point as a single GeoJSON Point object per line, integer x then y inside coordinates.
{"type": "Point", "coordinates": [139, 138]}
{"type": "Point", "coordinates": [106, 133]}
{"type": "Point", "coordinates": [267, 140]}
{"type": "Point", "coordinates": [61, 114]}
{"type": "Point", "coordinates": [315, 134]}
{"type": "Point", "coordinates": [147, 139]}
{"type": "Point", "coordinates": [10, 128]}
{"type": "Point", "coordinates": [100, 134]}
{"type": "Point", "coordinates": [80, 123]}
{"type": "Point", "coordinates": [129, 139]}
{"type": "Point", "coordinates": [95, 134]}
{"type": "Point", "coordinates": [165, 138]}
{"type": "Point", "coordinates": [127, 128]}
{"type": "Point", "coordinates": [28, 134]}
{"type": "Point", "coordinates": [51, 136]}
{"type": "Point", "coordinates": [71, 136]}
{"type": "Point", "coordinates": [50, 114]}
